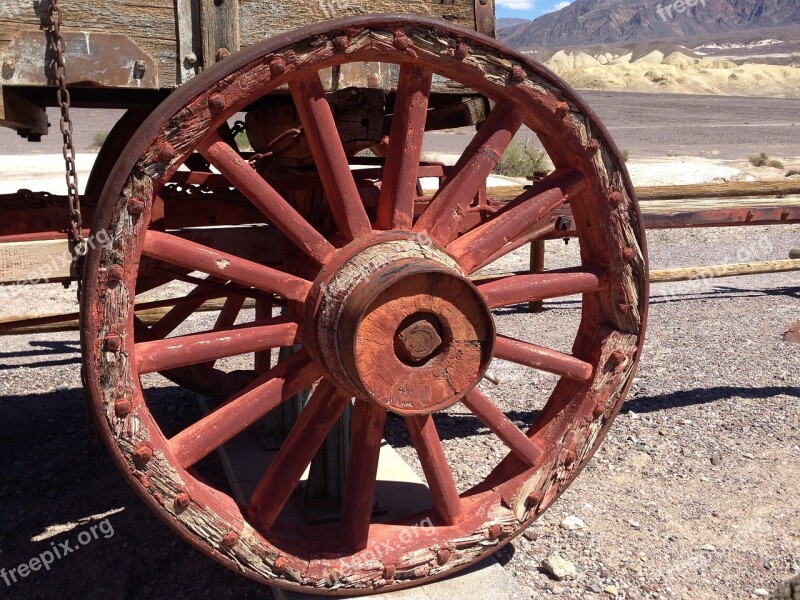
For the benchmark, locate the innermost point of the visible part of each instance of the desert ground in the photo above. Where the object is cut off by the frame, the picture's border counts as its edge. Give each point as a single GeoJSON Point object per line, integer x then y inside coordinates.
{"type": "Point", "coordinates": [693, 496]}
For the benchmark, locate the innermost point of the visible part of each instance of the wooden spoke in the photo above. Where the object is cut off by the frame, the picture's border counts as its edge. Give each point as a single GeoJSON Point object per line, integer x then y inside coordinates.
{"type": "Point", "coordinates": [163, 355]}
{"type": "Point", "coordinates": [179, 313]}
{"type": "Point", "coordinates": [257, 400]}
{"type": "Point", "coordinates": [366, 437]}
{"type": "Point", "coordinates": [190, 255]}
{"type": "Point", "coordinates": [330, 158]}
{"type": "Point", "coordinates": [229, 312]}
{"type": "Point", "coordinates": [518, 289]}
{"type": "Point", "coordinates": [434, 463]}
{"type": "Point", "coordinates": [494, 418]}
{"type": "Point", "coordinates": [400, 176]}
{"type": "Point", "coordinates": [473, 248]}
{"type": "Point", "coordinates": [450, 203]}
{"type": "Point", "coordinates": [326, 405]}
{"type": "Point", "coordinates": [541, 358]}
{"type": "Point", "coordinates": [237, 170]}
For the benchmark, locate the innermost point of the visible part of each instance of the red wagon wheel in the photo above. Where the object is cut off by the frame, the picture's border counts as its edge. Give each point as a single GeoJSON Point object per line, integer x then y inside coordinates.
{"type": "Point", "coordinates": [385, 307]}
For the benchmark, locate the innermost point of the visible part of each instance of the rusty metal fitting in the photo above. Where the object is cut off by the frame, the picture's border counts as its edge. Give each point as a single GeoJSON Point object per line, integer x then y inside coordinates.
{"type": "Point", "coordinates": [216, 102]}
{"type": "Point", "coordinates": [9, 67]}
{"type": "Point", "coordinates": [616, 358]}
{"type": "Point", "coordinates": [533, 499]}
{"type": "Point", "coordinates": [517, 74]}
{"type": "Point", "coordinates": [182, 501]}
{"type": "Point", "coordinates": [158, 497]}
{"type": "Point", "coordinates": [341, 43]}
{"type": "Point", "coordinates": [122, 408]}
{"type": "Point", "coordinates": [191, 59]}
{"type": "Point", "coordinates": [281, 564]}
{"type": "Point", "coordinates": [593, 146]}
{"type": "Point", "coordinates": [112, 342]}
{"type": "Point", "coordinates": [143, 453]}
{"type": "Point", "coordinates": [222, 54]}
{"type": "Point", "coordinates": [628, 253]}
{"type": "Point", "coordinates": [139, 67]}
{"type": "Point", "coordinates": [115, 274]}
{"type": "Point", "coordinates": [166, 152]}
{"type": "Point", "coordinates": [443, 556]}
{"type": "Point", "coordinates": [616, 198]}
{"type": "Point", "coordinates": [277, 66]}
{"type": "Point", "coordinates": [562, 109]}
{"type": "Point", "coordinates": [401, 41]}
{"type": "Point", "coordinates": [230, 539]}
{"type": "Point", "coordinates": [136, 206]}
{"type": "Point", "coordinates": [495, 531]}
{"type": "Point", "coordinates": [461, 51]}
{"type": "Point", "coordinates": [389, 572]}
{"type": "Point", "coordinates": [570, 457]}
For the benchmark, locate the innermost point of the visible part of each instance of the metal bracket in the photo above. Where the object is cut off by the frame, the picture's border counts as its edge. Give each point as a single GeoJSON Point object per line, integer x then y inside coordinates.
{"type": "Point", "coordinates": [485, 17]}
{"type": "Point", "coordinates": [95, 60]}
{"type": "Point", "coordinates": [219, 22]}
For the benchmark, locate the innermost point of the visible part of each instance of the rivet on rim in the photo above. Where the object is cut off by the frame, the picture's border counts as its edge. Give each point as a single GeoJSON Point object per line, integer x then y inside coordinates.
{"type": "Point", "coordinates": [122, 408]}
{"type": "Point", "coordinates": [401, 41]}
{"type": "Point", "coordinates": [143, 453]}
{"type": "Point", "coordinates": [517, 74]}
{"type": "Point", "coordinates": [112, 342]}
{"type": "Point", "coordinates": [562, 109]}
{"type": "Point", "coordinates": [534, 499]}
{"type": "Point", "coordinates": [570, 457]}
{"type": "Point", "coordinates": [461, 51]}
{"type": "Point", "coordinates": [628, 253]}
{"type": "Point", "coordinates": [182, 501]}
{"type": "Point", "coordinates": [277, 66]}
{"type": "Point", "coordinates": [166, 152]}
{"type": "Point", "coordinates": [389, 571]}
{"type": "Point", "coordinates": [593, 146]}
{"type": "Point", "coordinates": [495, 531]}
{"type": "Point", "coordinates": [115, 274]}
{"type": "Point", "coordinates": [216, 102]}
{"type": "Point", "coordinates": [616, 198]}
{"type": "Point", "coordinates": [136, 206]}
{"type": "Point", "coordinates": [230, 539]}
{"type": "Point", "coordinates": [615, 359]}
{"type": "Point", "coordinates": [281, 563]}
{"type": "Point", "coordinates": [341, 43]}
{"type": "Point", "coordinates": [442, 556]}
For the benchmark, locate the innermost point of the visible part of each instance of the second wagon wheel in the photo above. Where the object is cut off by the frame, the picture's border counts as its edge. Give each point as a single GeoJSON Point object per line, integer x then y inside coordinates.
{"type": "Point", "coordinates": [385, 304]}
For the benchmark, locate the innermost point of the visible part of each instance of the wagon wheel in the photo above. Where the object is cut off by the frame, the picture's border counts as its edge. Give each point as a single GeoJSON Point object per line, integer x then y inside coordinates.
{"type": "Point", "coordinates": [386, 309]}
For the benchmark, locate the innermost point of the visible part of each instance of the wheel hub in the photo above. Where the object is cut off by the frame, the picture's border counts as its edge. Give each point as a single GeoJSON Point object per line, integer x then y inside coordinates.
{"type": "Point", "coordinates": [400, 324]}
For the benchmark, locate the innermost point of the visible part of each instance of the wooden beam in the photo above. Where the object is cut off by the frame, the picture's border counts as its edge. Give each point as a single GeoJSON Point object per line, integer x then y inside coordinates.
{"type": "Point", "coordinates": [18, 113]}
{"type": "Point", "coordinates": [715, 271]}
{"type": "Point", "coordinates": [34, 262]}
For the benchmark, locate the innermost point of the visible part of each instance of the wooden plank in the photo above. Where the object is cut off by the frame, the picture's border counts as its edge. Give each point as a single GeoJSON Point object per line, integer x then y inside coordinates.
{"type": "Point", "coordinates": [714, 271]}
{"type": "Point", "coordinates": [34, 262]}
{"type": "Point", "coordinates": [219, 26]}
{"type": "Point", "coordinates": [18, 113]}
{"type": "Point", "coordinates": [734, 189]}
{"type": "Point", "coordinates": [261, 19]}
{"type": "Point", "coordinates": [189, 48]}
{"type": "Point", "coordinates": [149, 23]}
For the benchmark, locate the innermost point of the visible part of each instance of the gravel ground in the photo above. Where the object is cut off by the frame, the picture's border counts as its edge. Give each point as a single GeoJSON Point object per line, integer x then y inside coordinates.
{"type": "Point", "coordinates": [693, 495]}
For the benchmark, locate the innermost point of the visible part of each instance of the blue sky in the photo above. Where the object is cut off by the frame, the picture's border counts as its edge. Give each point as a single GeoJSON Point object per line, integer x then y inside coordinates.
{"type": "Point", "coordinates": [528, 9]}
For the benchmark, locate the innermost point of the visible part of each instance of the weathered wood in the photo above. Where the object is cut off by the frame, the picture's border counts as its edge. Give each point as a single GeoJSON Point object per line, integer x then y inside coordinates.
{"type": "Point", "coordinates": [537, 266]}
{"type": "Point", "coordinates": [219, 24]}
{"type": "Point", "coordinates": [18, 113]}
{"type": "Point", "coordinates": [714, 271]}
{"type": "Point", "coordinates": [734, 189]}
{"type": "Point", "coordinates": [34, 262]}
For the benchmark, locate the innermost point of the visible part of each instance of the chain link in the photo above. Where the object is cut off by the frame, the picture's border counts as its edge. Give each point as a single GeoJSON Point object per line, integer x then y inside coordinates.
{"type": "Point", "coordinates": [77, 243]}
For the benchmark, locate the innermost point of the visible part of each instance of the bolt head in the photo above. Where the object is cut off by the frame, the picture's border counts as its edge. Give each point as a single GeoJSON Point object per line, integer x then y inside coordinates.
{"type": "Point", "coordinates": [112, 342]}
{"type": "Point", "coordinates": [136, 206]}
{"type": "Point", "coordinates": [341, 43]}
{"type": "Point", "coordinates": [166, 152]}
{"type": "Point", "coordinates": [616, 198]}
{"type": "Point", "coordinates": [182, 501]}
{"type": "Point", "coordinates": [627, 254]}
{"type": "Point", "coordinates": [562, 109]}
{"type": "Point", "coordinates": [389, 572]}
{"type": "Point", "coordinates": [230, 539]}
{"type": "Point", "coordinates": [570, 457]}
{"type": "Point", "coordinates": [143, 453]}
{"type": "Point", "coordinates": [593, 146]}
{"type": "Point", "coordinates": [418, 341]}
{"type": "Point", "coordinates": [191, 58]}
{"type": "Point", "coordinates": [442, 556]}
{"type": "Point", "coordinates": [216, 102]}
{"type": "Point", "coordinates": [533, 499]}
{"type": "Point", "coordinates": [277, 66]}
{"type": "Point", "coordinates": [222, 54]}
{"type": "Point", "coordinates": [116, 273]}
{"type": "Point", "coordinates": [281, 564]}
{"type": "Point", "coordinates": [517, 74]}
{"type": "Point", "coordinates": [122, 408]}
{"type": "Point", "coordinates": [401, 41]}
{"type": "Point", "coordinates": [462, 51]}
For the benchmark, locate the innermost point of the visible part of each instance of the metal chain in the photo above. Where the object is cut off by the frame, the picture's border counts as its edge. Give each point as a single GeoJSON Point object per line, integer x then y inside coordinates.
{"type": "Point", "coordinates": [77, 243]}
